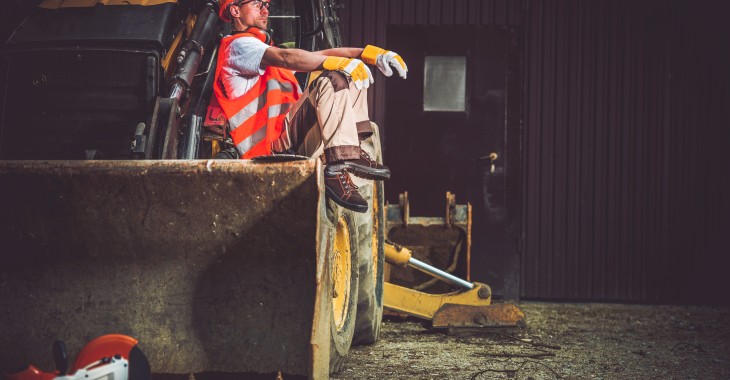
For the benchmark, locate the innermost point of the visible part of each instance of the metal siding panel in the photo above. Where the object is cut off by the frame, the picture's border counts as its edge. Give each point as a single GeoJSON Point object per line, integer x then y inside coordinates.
{"type": "Point", "coordinates": [447, 12]}
{"type": "Point", "coordinates": [631, 213]}
{"type": "Point", "coordinates": [434, 12]}
{"type": "Point", "coordinates": [421, 8]}
{"type": "Point", "coordinates": [395, 13]}
{"type": "Point", "coordinates": [421, 12]}
{"type": "Point", "coordinates": [655, 189]}
{"type": "Point", "coordinates": [357, 22]}
{"type": "Point", "coordinates": [667, 178]}
{"type": "Point", "coordinates": [514, 12]}
{"type": "Point", "coordinates": [640, 210]}
{"type": "Point", "coordinates": [501, 16]}
{"type": "Point", "coordinates": [559, 142]}
{"type": "Point", "coordinates": [614, 150]}
{"type": "Point", "coordinates": [546, 163]}
{"type": "Point", "coordinates": [589, 82]}
{"type": "Point", "coordinates": [409, 13]}
{"type": "Point", "coordinates": [601, 155]}
{"type": "Point", "coordinates": [532, 107]}
{"type": "Point", "coordinates": [345, 15]}
{"type": "Point", "coordinates": [574, 152]}
{"type": "Point", "coordinates": [538, 162]}
{"type": "Point", "coordinates": [678, 132]}
{"type": "Point", "coordinates": [370, 23]}
{"type": "Point", "coordinates": [488, 7]}
{"type": "Point", "coordinates": [709, 163]}
{"type": "Point", "coordinates": [531, 274]}
{"type": "Point", "coordinates": [475, 7]}
{"type": "Point", "coordinates": [654, 282]}
{"type": "Point", "coordinates": [460, 16]}
{"type": "Point", "coordinates": [630, 161]}
{"type": "Point", "coordinates": [625, 99]}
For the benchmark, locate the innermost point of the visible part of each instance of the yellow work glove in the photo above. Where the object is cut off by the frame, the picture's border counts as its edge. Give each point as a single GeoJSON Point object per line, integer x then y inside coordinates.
{"type": "Point", "coordinates": [383, 59]}
{"type": "Point", "coordinates": [354, 68]}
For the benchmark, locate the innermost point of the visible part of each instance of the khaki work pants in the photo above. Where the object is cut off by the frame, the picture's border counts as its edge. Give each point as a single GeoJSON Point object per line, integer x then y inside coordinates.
{"type": "Point", "coordinates": [331, 117]}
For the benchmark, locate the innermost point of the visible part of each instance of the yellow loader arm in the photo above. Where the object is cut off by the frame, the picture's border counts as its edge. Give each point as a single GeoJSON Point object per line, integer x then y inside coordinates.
{"type": "Point", "coordinates": [470, 307]}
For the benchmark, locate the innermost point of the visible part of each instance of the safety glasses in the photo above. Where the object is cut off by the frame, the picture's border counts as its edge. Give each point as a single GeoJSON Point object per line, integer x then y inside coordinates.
{"type": "Point", "coordinates": [260, 4]}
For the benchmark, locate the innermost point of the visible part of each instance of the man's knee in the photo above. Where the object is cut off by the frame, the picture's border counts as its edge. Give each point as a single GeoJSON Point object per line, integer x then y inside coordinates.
{"type": "Point", "coordinates": [337, 79]}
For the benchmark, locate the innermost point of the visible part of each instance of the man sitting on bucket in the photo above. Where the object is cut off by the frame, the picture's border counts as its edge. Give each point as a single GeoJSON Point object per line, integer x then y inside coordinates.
{"type": "Point", "coordinates": [268, 113]}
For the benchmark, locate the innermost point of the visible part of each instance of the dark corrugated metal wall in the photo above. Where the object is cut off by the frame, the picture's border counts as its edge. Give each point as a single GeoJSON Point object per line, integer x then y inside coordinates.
{"type": "Point", "coordinates": [624, 126]}
{"type": "Point", "coordinates": [595, 116]}
{"type": "Point", "coordinates": [625, 120]}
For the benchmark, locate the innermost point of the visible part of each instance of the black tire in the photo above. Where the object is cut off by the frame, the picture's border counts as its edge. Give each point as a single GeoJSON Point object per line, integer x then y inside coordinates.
{"type": "Point", "coordinates": [342, 326]}
{"type": "Point", "coordinates": [371, 230]}
{"type": "Point", "coordinates": [370, 272]}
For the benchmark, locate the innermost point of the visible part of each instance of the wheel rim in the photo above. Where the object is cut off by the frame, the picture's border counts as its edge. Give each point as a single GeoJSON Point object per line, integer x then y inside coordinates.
{"type": "Point", "coordinates": [342, 272]}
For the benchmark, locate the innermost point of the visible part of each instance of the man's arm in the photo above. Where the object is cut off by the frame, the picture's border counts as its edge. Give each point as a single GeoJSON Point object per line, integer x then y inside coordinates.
{"type": "Point", "coordinates": [350, 61]}
{"type": "Point", "coordinates": [347, 52]}
{"type": "Point", "coordinates": [302, 60]}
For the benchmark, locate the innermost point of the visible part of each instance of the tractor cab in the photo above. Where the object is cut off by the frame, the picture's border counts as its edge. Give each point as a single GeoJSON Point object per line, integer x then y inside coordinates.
{"type": "Point", "coordinates": [91, 79]}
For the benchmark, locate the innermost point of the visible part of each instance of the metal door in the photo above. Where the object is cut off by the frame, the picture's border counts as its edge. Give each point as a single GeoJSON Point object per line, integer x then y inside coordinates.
{"type": "Point", "coordinates": [453, 125]}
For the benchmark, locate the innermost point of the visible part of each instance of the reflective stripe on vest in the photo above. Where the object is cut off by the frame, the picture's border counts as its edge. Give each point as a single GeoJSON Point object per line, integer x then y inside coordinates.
{"type": "Point", "coordinates": [256, 118]}
{"type": "Point", "coordinates": [249, 142]}
{"type": "Point", "coordinates": [251, 108]}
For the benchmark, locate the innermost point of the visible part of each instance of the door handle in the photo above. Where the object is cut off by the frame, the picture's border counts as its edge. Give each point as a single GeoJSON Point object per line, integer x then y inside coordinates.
{"type": "Point", "coordinates": [491, 157]}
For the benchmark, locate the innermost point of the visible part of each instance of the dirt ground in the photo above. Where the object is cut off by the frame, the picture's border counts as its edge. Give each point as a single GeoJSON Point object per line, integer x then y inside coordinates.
{"type": "Point", "coordinates": [562, 341]}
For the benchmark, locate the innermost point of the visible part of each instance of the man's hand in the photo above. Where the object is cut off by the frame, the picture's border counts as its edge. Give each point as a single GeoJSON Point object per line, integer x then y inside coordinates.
{"type": "Point", "coordinates": [354, 68]}
{"type": "Point", "coordinates": [383, 59]}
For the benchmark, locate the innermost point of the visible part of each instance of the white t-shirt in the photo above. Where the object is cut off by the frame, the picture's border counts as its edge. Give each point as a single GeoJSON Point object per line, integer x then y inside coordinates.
{"type": "Point", "coordinates": [243, 67]}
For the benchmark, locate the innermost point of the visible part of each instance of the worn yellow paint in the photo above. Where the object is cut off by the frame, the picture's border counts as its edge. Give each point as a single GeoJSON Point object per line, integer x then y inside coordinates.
{"type": "Point", "coordinates": [425, 305]}
{"type": "Point", "coordinates": [312, 76]}
{"type": "Point", "coordinates": [175, 47]}
{"type": "Point", "coordinates": [56, 4]}
{"type": "Point", "coordinates": [376, 228]}
{"type": "Point", "coordinates": [171, 52]}
{"type": "Point", "coordinates": [397, 255]}
{"type": "Point", "coordinates": [215, 148]}
{"type": "Point", "coordinates": [341, 274]}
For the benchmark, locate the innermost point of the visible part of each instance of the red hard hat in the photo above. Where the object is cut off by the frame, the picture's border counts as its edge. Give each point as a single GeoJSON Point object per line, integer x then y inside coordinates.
{"type": "Point", "coordinates": [223, 9]}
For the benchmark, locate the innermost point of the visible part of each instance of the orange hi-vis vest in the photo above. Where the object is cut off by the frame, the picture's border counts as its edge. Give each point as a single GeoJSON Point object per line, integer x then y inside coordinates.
{"type": "Point", "coordinates": [256, 118]}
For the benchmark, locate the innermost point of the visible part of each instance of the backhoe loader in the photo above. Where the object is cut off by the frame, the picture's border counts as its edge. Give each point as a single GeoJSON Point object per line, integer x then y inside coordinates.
{"type": "Point", "coordinates": [116, 218]}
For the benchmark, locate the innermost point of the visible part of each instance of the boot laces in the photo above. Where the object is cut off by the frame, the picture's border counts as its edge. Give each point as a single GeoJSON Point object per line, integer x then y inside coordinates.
{"type": "Point", "coordinates": [347, 181]}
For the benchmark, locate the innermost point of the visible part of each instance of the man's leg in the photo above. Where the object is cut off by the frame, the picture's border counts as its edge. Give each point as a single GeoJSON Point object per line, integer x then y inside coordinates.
{"type": "Point", "coordinates": [325, 120]}
{"type": "Point", "coordinates": [340, 106]}
{"type": "Point", "coordinates": [359, 100]}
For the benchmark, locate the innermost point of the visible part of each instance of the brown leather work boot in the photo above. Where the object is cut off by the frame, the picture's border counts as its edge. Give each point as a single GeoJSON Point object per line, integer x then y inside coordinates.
{"type": "Point", "coordinates": [341, 190]}
{"type": "Point", "coordinates": [363, 167]}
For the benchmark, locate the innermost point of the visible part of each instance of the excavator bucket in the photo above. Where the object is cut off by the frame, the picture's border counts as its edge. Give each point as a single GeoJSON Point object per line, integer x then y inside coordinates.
{"type": "Point", "coordinates": [212, 265]}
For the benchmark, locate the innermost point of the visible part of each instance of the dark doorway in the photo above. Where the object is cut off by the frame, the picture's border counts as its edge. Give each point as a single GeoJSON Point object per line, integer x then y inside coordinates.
{"type": "Point", "coordinates": [459, 105]}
